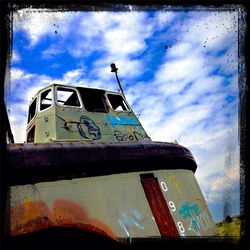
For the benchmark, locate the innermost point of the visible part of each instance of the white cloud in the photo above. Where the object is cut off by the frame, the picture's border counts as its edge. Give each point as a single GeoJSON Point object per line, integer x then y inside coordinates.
{"type": "Point", "coordinates": [180, 50]}
{"type": "Point", "coordinates": [73, 76]}
{"type": "Point", "coordinates": [215, 30]}
{"type": "Point", "coordinates": [127, 69]}
{"type": "Point", "coordinates": [17, 131]}
{"type": "Point", "coordinates": [221, 185]}
{"type": "Point", "coordinates": [52, 51]}
{"type": "Point", "coordinates": [163, 19]}
{"type": "Point", "coordinates": [115, 33]}
{"type": "Point", "coordinates": [17, 73]}
{"type": "Point", "coordinates": [175, 74]}
{"type": "Point", "coordinates": [40, 22]}
{"type": "Point", "coordinates": [15, 57]}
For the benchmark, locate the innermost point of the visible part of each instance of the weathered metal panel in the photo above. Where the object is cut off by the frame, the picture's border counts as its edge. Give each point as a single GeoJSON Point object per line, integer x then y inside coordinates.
{"type": "Point", "coordinates": [114, 205]}
{"type": "Point", "coordinates": [112, 126]}
{"type": "Point", "coordinates": [46, 126]}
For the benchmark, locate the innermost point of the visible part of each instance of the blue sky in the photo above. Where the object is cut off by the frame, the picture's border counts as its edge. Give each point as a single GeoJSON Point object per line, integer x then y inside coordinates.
{"type": "Point", "coordinates": [186, 92]}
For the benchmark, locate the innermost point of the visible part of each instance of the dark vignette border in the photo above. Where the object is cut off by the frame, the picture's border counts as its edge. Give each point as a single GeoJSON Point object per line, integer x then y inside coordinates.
{"type": "Point", "coordinates": [6, 9]}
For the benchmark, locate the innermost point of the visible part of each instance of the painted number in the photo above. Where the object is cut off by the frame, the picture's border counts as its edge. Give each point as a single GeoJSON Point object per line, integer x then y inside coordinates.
{"type": "Point", "coordinates": [180, 226]}
{"type": "Point", "coordinates": [164, 186]}
{"type": "Point", "coordinates": [172, 206]}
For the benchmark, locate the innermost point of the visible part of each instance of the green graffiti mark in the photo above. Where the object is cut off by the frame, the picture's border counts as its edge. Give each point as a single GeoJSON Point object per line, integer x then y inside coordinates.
{"type": "Point", "coordinates": [195, 225]}
{"type": "Point", "coordinates": [189, 210]}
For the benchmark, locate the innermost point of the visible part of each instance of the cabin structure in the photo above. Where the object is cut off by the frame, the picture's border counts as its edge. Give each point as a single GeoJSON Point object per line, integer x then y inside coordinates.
{"type": "Point", "coordinates": [66, 113]}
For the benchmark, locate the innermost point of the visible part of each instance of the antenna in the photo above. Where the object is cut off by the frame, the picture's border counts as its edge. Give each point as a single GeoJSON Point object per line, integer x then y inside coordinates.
{"type": "Point", "coordinates": [114, 69]}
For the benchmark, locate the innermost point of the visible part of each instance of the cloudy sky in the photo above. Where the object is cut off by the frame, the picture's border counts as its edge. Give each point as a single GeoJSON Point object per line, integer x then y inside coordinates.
{"type": "Point", "coordinates": [178, 68]}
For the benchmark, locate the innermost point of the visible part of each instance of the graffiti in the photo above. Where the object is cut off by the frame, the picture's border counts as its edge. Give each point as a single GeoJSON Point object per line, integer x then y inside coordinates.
{"type": "Point", "coordinates": [122, 120]}
{"type": "Point", "coordinates": [202, 221]}
{"type": "Point", "coordinates": [119, 136]}
{"type": "Point", "coordinates": [198, 220]}
{"type": "Point", "coordinates": [175, 183]}
{"type": "Point", "coordinates": [122, 137]}
{"type": "Point", "coordinates": [205, 221]}
{"type": "Point", "coordinates": [130, 219]}
{"type": "Point", "coordinates": [188, 210]}
{"type": "Point", "coordinates": [88, 129]}
{"type": "Point", "coordinates": [138, 136]}
{"type": "Point", "coordinates": [194, 226]}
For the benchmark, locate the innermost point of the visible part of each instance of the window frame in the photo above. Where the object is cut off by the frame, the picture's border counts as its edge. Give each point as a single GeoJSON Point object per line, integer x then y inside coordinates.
{"type": "Point", "coordinates": [104, 101]}
{"type": "Point", "coordinates": [29, 131]}
{"type": "Point", "coordinates": [71, 88]}
{"type": "Point", "coordinates": [40, 94]}
{"type": "Point", "coordinates": [117, 94]}
{"type": "Point", "coordinates": [34, 100]}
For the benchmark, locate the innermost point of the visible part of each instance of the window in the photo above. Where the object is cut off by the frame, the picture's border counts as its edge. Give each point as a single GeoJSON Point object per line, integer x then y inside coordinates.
{"type": "Point", "coordinates": [32, 110]}
{"type": "Point", "coordinates": [67, 97]}
{"type": "Point", "coordinates": [93, 99]}
{"type": "Point", "coordinates": [46, 99]}
{"type": "Point", "coordinates": [117, 102]}
{"type": "Point", "coordinates": [31, 135]}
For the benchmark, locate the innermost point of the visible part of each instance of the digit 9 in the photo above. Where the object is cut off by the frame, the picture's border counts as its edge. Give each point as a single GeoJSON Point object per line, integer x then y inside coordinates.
{"type": "Point", "coordinates": [172, 206]}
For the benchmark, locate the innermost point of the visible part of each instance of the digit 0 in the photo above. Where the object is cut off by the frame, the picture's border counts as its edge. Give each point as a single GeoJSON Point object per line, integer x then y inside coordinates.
{"type": "Point", "coordinates": [180, 226]}
{"type": "Point", "coordinates": [164, 186]}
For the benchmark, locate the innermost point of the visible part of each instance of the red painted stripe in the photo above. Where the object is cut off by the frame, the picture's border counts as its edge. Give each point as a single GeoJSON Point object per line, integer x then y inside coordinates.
{"type": "Point", "coordinates": [159, 206]}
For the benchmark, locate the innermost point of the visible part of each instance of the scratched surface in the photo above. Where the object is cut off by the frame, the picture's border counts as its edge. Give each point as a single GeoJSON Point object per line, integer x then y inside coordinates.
{"type": "Point", "coordinates": [115, 206]}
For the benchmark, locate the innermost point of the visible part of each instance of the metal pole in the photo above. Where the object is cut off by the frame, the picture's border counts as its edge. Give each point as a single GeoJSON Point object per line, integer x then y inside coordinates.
{"type": "Point", "coordinates": [114, 69]}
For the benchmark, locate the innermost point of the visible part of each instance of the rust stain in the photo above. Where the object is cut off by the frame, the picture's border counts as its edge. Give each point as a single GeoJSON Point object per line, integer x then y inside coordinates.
{"type": "Point", "coordinates": [66, 212]}
{"type": "Point", "coordinates": [35, 215]}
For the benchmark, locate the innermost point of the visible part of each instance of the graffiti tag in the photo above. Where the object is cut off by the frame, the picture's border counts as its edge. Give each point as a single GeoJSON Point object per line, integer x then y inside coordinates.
{"type": "Point", "coordinates": [188, 210]}
{"type": "Point", "coordinates": [174, 182]}
{"type": "Point", "coordinates": [88, 129]}
{"type": "Point", "coordinates": [122, 120]}
{"type": "Point", "coordinates": [119, 136]}
{"type": "Point", "coordinates": [198, 220]}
